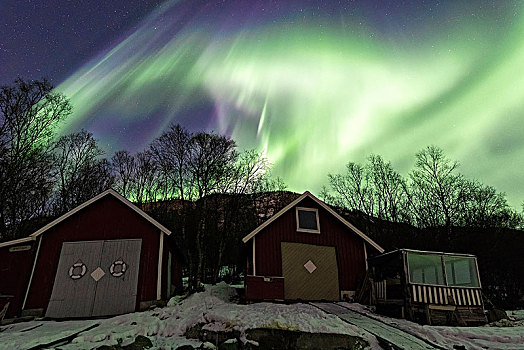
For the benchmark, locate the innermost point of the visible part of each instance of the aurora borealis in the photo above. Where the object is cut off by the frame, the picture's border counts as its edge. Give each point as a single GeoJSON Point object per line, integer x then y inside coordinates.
{"type": "Point", "coordinates": [316, 84]}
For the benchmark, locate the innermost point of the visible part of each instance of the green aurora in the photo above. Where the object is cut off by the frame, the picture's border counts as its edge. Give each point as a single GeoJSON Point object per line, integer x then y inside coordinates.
{"type": "Point", "coordinates": [315, 93]}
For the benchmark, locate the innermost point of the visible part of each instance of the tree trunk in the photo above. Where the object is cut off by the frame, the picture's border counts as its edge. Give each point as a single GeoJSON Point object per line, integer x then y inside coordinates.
{"type": "Point", "coordinates": [221, 248]}
{"type": "Point", "coordinates": [200, 252]}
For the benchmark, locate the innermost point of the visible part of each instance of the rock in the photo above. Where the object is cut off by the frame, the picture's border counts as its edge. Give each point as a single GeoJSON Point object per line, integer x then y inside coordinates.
{"type": "Point", "coordinates": [185, 347]}
{"type": "Point", "coordinates": [207, 345]}
{"type": "Point", "coordinates": [286, 339]}
{"type": "Point", "coordinates": [502, 323]}
{"type": "Point", "coordinates": [230, 344]}
{"type": "Point", "coordinates": [495, 315]}
{"type": "Point", "coordinates": [140, 343]}
{"type": "Point", "coordinates": [272, 338]}
{"type": "Point", "coordinates": [206, 335]}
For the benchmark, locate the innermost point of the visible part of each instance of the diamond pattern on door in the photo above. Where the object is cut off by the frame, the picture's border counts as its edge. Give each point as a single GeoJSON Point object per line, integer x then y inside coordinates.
{"type": "Point", "coordinates": [310, 271]}
{"type": "Point", "coordinates": [98, 274]}
{"type": "Point", "coordinates": [310, 266]}
{"type": "Point", "coordinates": [100, 294]}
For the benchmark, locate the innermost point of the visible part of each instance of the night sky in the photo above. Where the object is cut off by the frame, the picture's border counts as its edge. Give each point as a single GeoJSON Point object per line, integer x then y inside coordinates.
{"type": "Point", "coordinates": [314, 84]}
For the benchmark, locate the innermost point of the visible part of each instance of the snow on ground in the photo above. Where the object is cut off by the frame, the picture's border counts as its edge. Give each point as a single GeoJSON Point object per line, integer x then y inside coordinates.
{"type": "Point", "coordinates": [166, 326]}
{"type": "Point", "coordinates": [516, 315]}
{"type": "Point", "coordinates": [215, 308]}
{"type": "Point", "coordinates": [485, 337]}
{"type": "Point", "coordinates": [26, 335]}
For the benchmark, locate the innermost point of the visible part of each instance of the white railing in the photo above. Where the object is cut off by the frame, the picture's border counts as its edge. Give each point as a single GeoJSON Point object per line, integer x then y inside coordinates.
{"type": "Point", "coordinates": [444, 295]}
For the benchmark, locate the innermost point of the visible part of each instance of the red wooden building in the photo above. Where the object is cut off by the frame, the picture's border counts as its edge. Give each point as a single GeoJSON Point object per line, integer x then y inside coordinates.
{"type": "Point", "coordinates": [306, 252]}
{"type": "Point", "coordinates": [105, 257]}
{"type": "Point", "coordinates": [16, 262]}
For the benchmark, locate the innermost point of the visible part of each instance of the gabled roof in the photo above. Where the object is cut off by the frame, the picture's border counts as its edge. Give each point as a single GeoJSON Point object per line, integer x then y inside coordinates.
{"type": "Point", "coordinates": [323, 205]}
{"type": "Point", "coordinates": [94, 199]}
{"type": "Point", "coordinates": [16, 241]}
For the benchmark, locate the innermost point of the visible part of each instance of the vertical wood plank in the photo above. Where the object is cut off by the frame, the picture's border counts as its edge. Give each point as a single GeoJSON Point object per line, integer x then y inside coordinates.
{"type": "Point", "coordinates": [117, 294]}
{"type": "Point", "coordinates": [74, 297]}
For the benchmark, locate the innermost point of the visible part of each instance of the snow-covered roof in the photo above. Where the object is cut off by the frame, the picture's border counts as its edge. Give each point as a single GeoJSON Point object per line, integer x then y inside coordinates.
{"type": "Point", "coordinates": [323, 205]}
{"type": "Point", "coordinates": [94, 199]}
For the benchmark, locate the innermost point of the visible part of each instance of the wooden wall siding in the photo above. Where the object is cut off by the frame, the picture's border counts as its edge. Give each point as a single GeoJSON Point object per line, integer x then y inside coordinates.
{"type": "Point", "coordinates": [349, 246]}
{"type": "Point", "coordinates": [15, 269]}
{"type": "Point", "coordinates": [439, 295]}
{"type": "Point", "coordinates": [106, 219]}
{"type": "Point", "coordinates": [260, 288]}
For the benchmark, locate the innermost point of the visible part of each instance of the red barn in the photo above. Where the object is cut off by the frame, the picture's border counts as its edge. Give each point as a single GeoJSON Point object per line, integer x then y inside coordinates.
{"type": "Point", "coordinates": [105, 257]}
{"type": "Point", "coordinates": [16, 262]}
{"type": "Point", "coordinates": [306, 251]}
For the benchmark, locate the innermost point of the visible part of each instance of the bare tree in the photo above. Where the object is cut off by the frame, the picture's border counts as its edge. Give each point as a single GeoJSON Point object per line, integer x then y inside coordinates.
{"type": "Point", "coordinates": [484, 206]}
{"type": "Point", "coordinates": [171, 153]}
{"type": "Point", "coordinates": [375, 189]}
{"type": "Point", "coordinates": [144, 184]}
{"type": "Point", "coordinates": [389, 190]}
{"type": "Point", "coordinates": [29, 114]}
{"type": "Point", "coordinates": [352, 189]}
{"type": "Point", "coordinates": [208, 181]}
{"type": "Point", "coordinates": [210, 163]}
{"type": "Point", "coordinates": [437, 190]}
{"type": "Point", "coordinates": [81, 172]}
{"type": "Point", "coordinates": [211, 159]}
{"type": "Point", "coordinates": [248, 174]}
{"type": "Point", "coordinates": [124, 168]}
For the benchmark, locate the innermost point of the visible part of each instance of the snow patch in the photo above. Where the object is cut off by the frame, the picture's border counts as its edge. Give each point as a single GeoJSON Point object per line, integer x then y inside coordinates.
{"type": "Point", "coordinates": [484, 337]}
{"type": "Point", "coordinates": [216, 310]}
{"type": "Point", "coordinates": [166, 327]}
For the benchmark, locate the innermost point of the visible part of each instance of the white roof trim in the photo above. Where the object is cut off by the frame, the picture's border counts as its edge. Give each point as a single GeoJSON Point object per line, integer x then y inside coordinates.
{"type": "Point", "coordinates": [94, 199]}
{"type": "Point", "coordinates": [16, 241]}
{"type": "Point", "coordinates": [323, 205]}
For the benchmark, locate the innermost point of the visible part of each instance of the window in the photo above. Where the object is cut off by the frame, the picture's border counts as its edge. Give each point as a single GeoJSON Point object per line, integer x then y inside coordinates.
{"type": "Point", "coordinates": [461, 271]}
{"type": "Point", "coordinates": [307, 220]}
{"type": "Point", "coordinates": [425, 268]}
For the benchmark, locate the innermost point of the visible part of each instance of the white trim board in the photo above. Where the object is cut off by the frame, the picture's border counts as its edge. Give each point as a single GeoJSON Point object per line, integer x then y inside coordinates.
{"type": "Point", "coordinates": [159, 269]}
{"type": "Point", "coordinates": [94, 199]}
{"type": "Point", "coordinates": [32, 272]}
{"type": "Point", "coordinates": [16, 241]}
{"type": "Point", "coordinates": [323, 205]}
{"type": "Point", "coordinates": [254, 259]}
{"type": "Point", "coordinates": [314, 210]}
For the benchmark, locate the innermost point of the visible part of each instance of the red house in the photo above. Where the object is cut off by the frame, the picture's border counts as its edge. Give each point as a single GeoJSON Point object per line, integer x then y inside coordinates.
{"type": "Point", "coordinates": [105, 257]}
{"type": "Point", "coordinates": [306, 252]}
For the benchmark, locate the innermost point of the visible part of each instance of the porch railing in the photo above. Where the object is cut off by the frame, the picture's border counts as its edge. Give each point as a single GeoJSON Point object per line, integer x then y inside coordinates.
{"type": "Point", "coordinates": [445, 295]}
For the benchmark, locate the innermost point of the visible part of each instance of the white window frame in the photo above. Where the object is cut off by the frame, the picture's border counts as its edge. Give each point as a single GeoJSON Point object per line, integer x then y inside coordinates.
{"type": "Point", "coordinates": [299, 229]}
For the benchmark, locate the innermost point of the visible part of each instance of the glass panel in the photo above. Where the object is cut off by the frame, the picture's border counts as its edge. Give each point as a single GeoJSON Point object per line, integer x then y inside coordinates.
{"type": "Point", "coordinates": [461, 271]}
{"type": "Point", "coordinates": [307, 219]}
{"type": "Point", "coordinates": [425, 268]}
